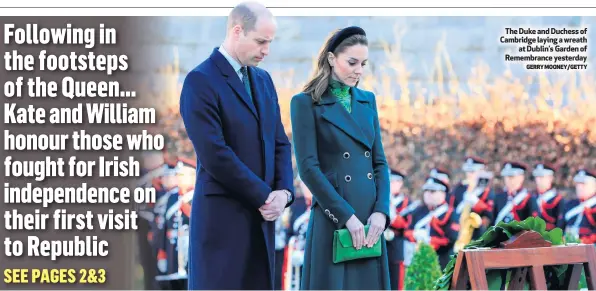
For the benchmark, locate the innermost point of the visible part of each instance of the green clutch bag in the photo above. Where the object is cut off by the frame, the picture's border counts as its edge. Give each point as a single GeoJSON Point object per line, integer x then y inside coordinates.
{"type": "Point", "coordinates": [343, 250]}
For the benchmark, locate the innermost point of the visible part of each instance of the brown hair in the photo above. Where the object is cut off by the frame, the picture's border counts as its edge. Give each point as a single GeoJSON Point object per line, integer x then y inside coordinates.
{"type": "Point", "coordinates": [320, 80]}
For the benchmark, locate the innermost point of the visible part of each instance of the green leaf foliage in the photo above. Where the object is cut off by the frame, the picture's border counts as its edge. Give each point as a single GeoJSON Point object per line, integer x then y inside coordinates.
{"type": "Point", "coordinates": [424, 269]}
{"type": "Point", "coordinates": [493, 237]}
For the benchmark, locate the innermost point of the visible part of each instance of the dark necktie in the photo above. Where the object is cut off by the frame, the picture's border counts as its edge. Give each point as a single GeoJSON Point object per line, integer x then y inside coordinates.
{"type": "Point", "coordinates": [246, 82]}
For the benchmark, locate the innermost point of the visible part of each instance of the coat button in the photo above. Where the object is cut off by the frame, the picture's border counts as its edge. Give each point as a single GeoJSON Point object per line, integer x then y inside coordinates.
{"type": "Point", "coordinates": [335, 220]}
{"type": "Point", "coordinates": [367, 154]}
{"type": "Point", "coordinates": [331, 216]}
{"type": "Point", "coordinates": [346, 155]}
{"type": "Point", "coordinates": [369, 175]}
{"type": "Point", "coordinates": [327, 211]}
{"type": "Point", "coordinates": [348, 178]}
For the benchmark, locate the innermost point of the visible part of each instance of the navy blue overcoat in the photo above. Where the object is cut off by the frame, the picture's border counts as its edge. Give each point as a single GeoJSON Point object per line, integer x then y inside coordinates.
{"type": "Point", "coordinates": [243, 154]}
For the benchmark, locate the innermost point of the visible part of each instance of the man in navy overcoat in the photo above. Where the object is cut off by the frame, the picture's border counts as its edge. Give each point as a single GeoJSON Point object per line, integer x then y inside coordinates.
{"type": "Point", "coordinates": [244, 169]}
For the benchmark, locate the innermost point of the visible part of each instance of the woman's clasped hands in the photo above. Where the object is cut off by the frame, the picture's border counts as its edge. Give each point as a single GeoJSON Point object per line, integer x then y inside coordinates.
{"type": "Point", "coordinates": [376, 223]}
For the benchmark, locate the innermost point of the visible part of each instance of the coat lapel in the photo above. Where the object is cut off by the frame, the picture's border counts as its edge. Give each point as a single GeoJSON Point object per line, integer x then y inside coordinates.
{"type": "Point", "coordinates": [258, 85]}
{"type": "Point", "coordinates": [348, 123]}
{"type": "Point", "coordinates": [233, 80]}
{"type": "Point", "coordinates": [363, 114]}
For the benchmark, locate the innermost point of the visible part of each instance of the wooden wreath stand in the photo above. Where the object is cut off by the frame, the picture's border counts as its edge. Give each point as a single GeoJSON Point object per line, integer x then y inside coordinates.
{"type": "Point", "coordinates": [524, 252]}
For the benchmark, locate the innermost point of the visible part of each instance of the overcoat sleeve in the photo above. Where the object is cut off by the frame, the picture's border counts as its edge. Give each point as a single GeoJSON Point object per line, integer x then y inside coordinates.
{"type": "Point", "coordinates": [304, 136]}
{"type": "Point", "coordinates": [380, 167]}
{"type": "Point", "coordinates": [284, 175]}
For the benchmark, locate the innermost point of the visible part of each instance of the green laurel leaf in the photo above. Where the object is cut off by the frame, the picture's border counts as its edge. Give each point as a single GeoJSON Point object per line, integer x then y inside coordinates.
{"type": "Point", "coordinates": [492, 238]}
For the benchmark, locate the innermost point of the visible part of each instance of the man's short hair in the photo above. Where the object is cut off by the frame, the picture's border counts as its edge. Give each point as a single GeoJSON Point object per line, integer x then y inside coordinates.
{"type": "Point", "coordinates": [246, 15]}
{"type": "Point", "coordinates": [242, 15]}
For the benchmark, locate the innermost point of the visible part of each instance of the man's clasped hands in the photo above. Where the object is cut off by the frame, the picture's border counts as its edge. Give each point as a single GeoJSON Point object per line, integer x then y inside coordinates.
{"type": "Point", "coordinates": [274, 205]}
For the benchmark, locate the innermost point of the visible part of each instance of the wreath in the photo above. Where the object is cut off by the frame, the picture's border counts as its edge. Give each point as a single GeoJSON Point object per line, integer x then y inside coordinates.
{"type": "Point", "coordinates": [492, 238]}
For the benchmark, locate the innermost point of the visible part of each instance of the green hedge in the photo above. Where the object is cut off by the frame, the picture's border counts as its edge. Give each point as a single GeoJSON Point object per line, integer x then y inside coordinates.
{"type": "Point", "coordinates": [424, 269]}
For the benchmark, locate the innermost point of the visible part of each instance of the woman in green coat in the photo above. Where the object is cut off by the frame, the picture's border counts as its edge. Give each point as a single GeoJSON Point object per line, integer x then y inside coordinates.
{"type": "Point", "coordinates": [340, 157]}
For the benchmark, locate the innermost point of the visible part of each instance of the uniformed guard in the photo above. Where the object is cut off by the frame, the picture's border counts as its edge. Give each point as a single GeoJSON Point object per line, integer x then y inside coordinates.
{"type": "Point", "coordinates": [282, 223]}
{"type": "Point", "coordinates": [394, 233]}
{"type": "Point", "coordinates": [547, 203]}
{"type": "Point", "coordinates": [433, 222]}
{"type": "Point", "coordinates": [474, 193]}
{"type": "Point", "coordinates": [162, 236]}
{"type": "Point", "coordinates": [400, 226]}
{"type": "Point", "coordinates": [174, 232]}
{"type": "Point", "coordinates": [162, 179]}
{"type": "Point", "coordinates": [164, 175]}
{"type": "Point", "coordinates": [148, 259]}
{"type": "Point", "coordinates": [173, 180]}
{"type": "Point", "coordinates": [441, 174]}
{"type": "Point", "coordinates": [514, 202]}
{"type": "Point", "coordinates": [294, 255]}
{"type": "Point", "coordinates": [183, 241]}
{"type": "Point", "coordinates": [578, 219]}
{"type": "Point", "coordinates": [173, 219]}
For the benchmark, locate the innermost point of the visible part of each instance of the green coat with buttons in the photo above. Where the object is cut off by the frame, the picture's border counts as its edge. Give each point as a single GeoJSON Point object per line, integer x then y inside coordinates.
{"type": "Point", "coordinates": [341, 160]}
